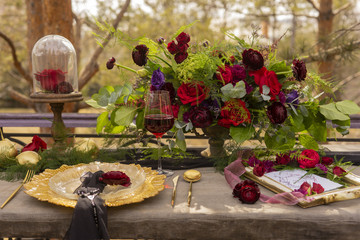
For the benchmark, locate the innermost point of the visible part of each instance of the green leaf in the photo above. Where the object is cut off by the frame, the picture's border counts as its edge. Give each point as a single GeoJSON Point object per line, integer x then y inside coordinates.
{"type": "Point", "coordinates": [332, 113]}
{"type": "Point", "coordinates": [124, 115]}
{"type": "Point", "coordinates": [297, 120]}
{"type": "Point", "coordinates": [241, 134]}
{"type": "Point", "coordinates": [101, 121]}
{"type": "Point", "coordinates": [140, 120]}
{"type": "Point", "coordinates": [283, 139]}
{"type": "Point", "coordinates": [348, 107]}
{"type": "Point", "coordinates": [93, 103]}
{"type": "Point", "coordinates": [318, 130]}
{"type": "Point", "coordinates": [308, 142]}
{"type": "Point", "coordinates": [180, 140]}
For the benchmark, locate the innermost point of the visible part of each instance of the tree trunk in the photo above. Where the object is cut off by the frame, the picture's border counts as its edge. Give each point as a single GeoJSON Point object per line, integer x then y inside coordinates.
{"type": "Point", "coordinates": [325, 27]}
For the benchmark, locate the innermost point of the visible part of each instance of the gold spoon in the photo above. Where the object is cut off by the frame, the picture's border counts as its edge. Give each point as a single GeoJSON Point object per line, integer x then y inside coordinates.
{"type": "Point", "coordinates": [191, 176]}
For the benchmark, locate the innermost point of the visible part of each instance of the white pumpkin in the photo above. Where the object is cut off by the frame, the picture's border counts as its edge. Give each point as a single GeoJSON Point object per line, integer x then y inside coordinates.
{"type": "Point", "coordinates": [7, 148]}
{"type": "Point", "coordinates": [28, 157]}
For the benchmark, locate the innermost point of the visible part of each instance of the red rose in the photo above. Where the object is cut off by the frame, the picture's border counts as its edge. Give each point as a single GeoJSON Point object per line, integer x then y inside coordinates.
{"type": "Point", "coordinates": [282, 159]}
{"type": "Point", "coordinates": [234, 112]}
{"type": "Point", "coordinates": [308, 158]}
{"type": "Point", "coordinates": [259, 169]}
{"type": "Point", "coordinates": [180, 57]}
{"type": "Point", "coordinates": [317, 188]}
{"type": "Point", "coordinates": [224, 75]}
{"type": "Point", "coordinates": [264, 77]}
{"type": "Point", "coordinates": [305, 188]}
{"type": "Point", "coordinates": [139, 54]}
{"type": "Point", "coordinates": [50, 78]}
{"type": "Point", "coordinates": [252, 59]}
{"type": "Point", "coordinates": [327, 160]}
{"type": "Point", "coordinates": [299, 70]}
{"type": "Point", "coordinates": [200, 116]}
{"type": "Point", "coordinates": [36, 145]}
{"type": "Point", "coordinates": [183, 38]}
{"type": "Point", "coordinates": [247, 192]}
{"type": "Point", "coordinates": [192, 93]}
{"type": "Point", "coordinates": [277, 113]}
{"type": "Point", "coordinates": [115, 178]}
{"type": "Point", "coordinates": [338, 171]}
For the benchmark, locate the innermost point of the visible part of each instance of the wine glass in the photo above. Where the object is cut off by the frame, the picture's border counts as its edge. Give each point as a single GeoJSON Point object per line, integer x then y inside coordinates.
{"type": "Point", "coordinates": [159, 119]}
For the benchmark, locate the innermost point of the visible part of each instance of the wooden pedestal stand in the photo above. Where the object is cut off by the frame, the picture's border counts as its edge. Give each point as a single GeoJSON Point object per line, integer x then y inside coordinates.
{"type": "Point", "coordinates": [56, 101]}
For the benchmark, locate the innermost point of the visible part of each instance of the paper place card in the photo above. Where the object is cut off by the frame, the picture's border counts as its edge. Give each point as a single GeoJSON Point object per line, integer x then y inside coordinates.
{"type": "Point", "coordinates": [294, 179]}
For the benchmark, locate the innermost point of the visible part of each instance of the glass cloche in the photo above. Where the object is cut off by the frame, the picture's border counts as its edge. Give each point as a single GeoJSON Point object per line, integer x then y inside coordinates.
{"type": "Point", "coordinates": [54, 66]}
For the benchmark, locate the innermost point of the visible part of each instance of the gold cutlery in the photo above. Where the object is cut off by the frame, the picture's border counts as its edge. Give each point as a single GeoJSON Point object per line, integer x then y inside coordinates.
{"type": "Point", "coordinates": [191, 176]}
{"type": "Point", "coordinates": [28, 176]}
{"type": "Point", "coordinates": [175, 181]}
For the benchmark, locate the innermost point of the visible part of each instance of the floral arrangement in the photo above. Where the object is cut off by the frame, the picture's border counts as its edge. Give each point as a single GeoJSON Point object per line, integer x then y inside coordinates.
{"type": "Point", "coordinates": [241, 87]}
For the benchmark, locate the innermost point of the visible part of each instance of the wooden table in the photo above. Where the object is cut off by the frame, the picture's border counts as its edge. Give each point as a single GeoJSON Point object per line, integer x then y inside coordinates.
{"type": "Point", "coordinates": [214, 214]}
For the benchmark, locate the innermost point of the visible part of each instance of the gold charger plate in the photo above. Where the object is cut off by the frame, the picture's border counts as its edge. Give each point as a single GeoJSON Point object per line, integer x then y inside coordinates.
{"type": "Point", "coordinates": [57, 186]}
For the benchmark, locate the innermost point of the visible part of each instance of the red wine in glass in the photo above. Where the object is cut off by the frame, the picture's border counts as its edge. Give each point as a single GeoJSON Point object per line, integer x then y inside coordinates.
{"type": "Point", "coordinates": [159, 124]}
{"type": "Point", "coordinates": [159, 119]}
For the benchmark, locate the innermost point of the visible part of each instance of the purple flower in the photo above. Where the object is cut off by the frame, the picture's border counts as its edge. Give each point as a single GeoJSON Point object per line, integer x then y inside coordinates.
{"type": "Point", "coordinates": [157, 79]}
{"type": "Point", "coordinates": [253, 161]}
{"type": "Point", "coordinates": [322, 167]}
{"type": "Point", "coordinates": [248, 87]}
{"type": "Point", "coordinates": [213, 106]}
{"type": "Point", "coordinates": [293, 97]}
{"type": "Point", "coordinates": [186, 117]}
{"type": "Point", "coordinates": [282, 97]}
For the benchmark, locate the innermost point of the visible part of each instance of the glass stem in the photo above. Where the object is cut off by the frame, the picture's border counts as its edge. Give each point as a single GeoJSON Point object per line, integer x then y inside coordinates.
{"type": "Point", "coordinates": [159, 154]}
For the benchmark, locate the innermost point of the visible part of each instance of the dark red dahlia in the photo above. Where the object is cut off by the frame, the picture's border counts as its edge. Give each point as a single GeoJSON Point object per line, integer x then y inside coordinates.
{"type": "Point", "coordinates": [139, 54]}
{"type": "Point", "coordinates": [299, 69]}
{"type": "Point", "coordinates": [200, 116]}
{"type": "Point", "coordinates": [252, 59]}
{"type": "Point", "coordinates": [110, 63]}
{"type": "Point", "coordinates": [277, 113]}
{"type": "Point", "coordinates": [183, 38]}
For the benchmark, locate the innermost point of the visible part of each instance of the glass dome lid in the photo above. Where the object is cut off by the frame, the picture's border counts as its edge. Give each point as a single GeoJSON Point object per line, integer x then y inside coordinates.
{"type": "Point", "coordinates": [54, 66]}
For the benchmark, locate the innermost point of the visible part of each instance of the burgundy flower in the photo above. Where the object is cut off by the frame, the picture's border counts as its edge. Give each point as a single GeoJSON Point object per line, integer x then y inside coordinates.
{"type": "Point", "coordinates": [168, 86]}
{"type": "Point", "coordinates": [175, 110]}
{"type": "Point", "coordinates": [36, 145]}
{"type": "Point", "coordinates": [282, 159]}
{"type": "Point", "coordinates": [64, 87]}
{"type": "Point", "coordinates": [183, 38]}
{"type": "Point", "coordinates": [200, 117]}
{"type": "Point", "coordinates": [277, 113]}
{"type": "Point", "coordinates": [252, 161]}
{"type": "Point", "coordinates": [322, 167]}
{"type": "Point", "coordinates": [224, 75]}
{"type": "Point", "coordinates": [238, 73]}
{"type": "Point", "coordinates": [259, 169]}
{"type": "Point", "coordinates": [247, 192]}
{"type": "Point", "coordinates": [305, 188]}
{"type": "Point", "coordinates": [338, 171]}
{"type": "Point", "coordinates": [115, 178]}
{"type": "Point", "coordinates": [139, 54]}
{"type": "Point", "coordinates": [172, 47]}
{"type": "Point", "coordinates": [110, 63]}
{"type": "Point", "coordinates": [299, 69]}
{"type": "Point", "coordinates": [180, 57]}
{"type": "Point", "coordinates": [268, 165]}
{"type": "Point", "coordinates": [308, 158]}
{"type": "Point", "coordinates": [327, 160]}
{"type": "Point", "coordinates": [252, 59]}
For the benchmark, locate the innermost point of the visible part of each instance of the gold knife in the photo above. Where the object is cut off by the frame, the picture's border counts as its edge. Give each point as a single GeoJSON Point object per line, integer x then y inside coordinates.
{"type": "Point", "coordinates": [175, 181]}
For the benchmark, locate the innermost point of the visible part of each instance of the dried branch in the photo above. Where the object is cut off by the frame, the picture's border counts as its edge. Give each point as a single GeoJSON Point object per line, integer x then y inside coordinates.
{"type": "Point", "coordinates": [77, 39]}
{"type": "Point", "coordinates": [92, 67]}
{"type": "Point", "coordinates": [329, 53]}
{"type": "Point", "coordinates": [345, 81]}
{"type": "Point", "coordinates": [313, 5]}
{"type": "Point", "coordinates": [19, 97]}
{"type": "Point", "coordinates": [17, 64]}
{"type": "Point", "coordinates": [342, 8]}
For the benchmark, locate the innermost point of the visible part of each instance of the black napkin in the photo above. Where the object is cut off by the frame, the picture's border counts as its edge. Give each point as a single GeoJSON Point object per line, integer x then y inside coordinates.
{"type": "Point", "coordinates": [89, 221]}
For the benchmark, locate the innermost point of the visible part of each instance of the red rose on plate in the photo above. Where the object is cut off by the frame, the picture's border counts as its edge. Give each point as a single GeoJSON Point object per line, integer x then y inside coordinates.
{"type": "Point", "coordinates": [192, 93]}
{"type": "Point", "coordinates": [338, 171]}
{"type": "Point", "coordinates": [115, 178]}
{"type": "Point", "coordinates": [327, 160]}
{"type": "Point", "coordinates": [50, 78]}
{"type": "Point", "coordinates": [224, 75]}
{"type": "Point", "coordinates": [264, 77]}
{"type": "Point", "coordinates": [247, 192]}
{"type": "Point", "coordinates": [36, 145]}
{"type": "Point", "coordinates": [234, 112]}
{"type": "Point", "coordinates": [308, 158]}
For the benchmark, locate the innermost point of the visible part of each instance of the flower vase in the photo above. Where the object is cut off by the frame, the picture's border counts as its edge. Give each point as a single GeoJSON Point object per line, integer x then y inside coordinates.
{"type": "Point", "coordinates": [217, 136]}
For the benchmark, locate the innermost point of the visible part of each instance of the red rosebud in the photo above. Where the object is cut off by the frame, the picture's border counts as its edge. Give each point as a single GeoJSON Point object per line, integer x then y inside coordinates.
{"type": "Point", "coordinates": [299, 70]}
{"type": "Point", "coordinates": [252, 59]}
{"type": "Point", "coordinates": [277, 113]}
{"type": "Point", "coordinates": [259, 169]}
{"type": "Point", "coordinates": [308, 158]}
{"type": "Point", "coordinates": [338, 171]}
{"type": "Point", "coordinates": [110, 63]}
{"type": "Point", "coordinates": [139, 54]}
{"type": "Point", "coordinates": [115, 178]}
{"type": "Point", "coordinates": [327, 160]}
{"type": "Point", "coordinates": [247, 192]}
{"type": "Point", "coordinates": [36, 145]}
{"type": "Point", "coordinates": [183, 38]}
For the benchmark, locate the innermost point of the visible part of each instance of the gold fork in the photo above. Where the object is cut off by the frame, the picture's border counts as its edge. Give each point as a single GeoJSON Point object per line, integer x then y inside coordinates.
{"type": "Point", "coordinates": [28, 176]}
